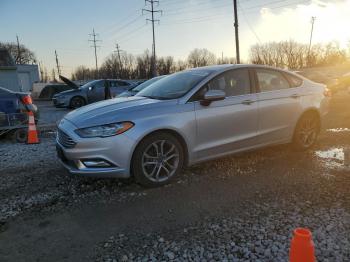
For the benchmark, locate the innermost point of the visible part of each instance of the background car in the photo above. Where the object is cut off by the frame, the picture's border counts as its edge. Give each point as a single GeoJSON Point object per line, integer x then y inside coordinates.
{"type": "Point", "coordinates": [50, 90]}
{"type": "Point", "coordinates": [190, 117]}
{"type": "Point", "coordinates": [134, 90]}
{"type": "Point", "coordinates": [13, 112]}
{"type": "Point", "coordinates": [91, 92]}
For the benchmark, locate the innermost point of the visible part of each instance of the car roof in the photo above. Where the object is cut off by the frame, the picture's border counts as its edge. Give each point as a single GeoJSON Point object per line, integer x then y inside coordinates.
{"type": "Point", "coordinates": [6, 90]}
{"type": "Point", "coordinates": [216, 68]}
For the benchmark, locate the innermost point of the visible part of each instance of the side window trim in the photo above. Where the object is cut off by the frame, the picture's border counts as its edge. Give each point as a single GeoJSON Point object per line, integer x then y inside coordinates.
{"type": "Point", "coordinates": [272, 70]}
{"type": "Point", "coordinates": [289, 76]}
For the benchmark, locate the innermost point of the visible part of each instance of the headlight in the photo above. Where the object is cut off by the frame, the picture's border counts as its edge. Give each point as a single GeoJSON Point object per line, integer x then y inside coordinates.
{"type": "Point", "coordinates": [60, 97]}
{"type": "Point", "coordinates": [104, 130]}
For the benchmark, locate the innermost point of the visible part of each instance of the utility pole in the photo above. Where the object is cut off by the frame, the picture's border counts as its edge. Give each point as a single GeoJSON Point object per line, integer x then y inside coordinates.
{"type": "Point", "coordinates": [238, 60]}
{"type": "Point", "coordinates": [19, 58]}
{"type": "Point", "coordinates": [94, 40]}
{"type": "Point", "coordinates": [152, 11]}
{"type": "Point", "coordinates": [313, 18]}
{"type": "Point", "coordinates": [57, 64]}
{"type": "Point", "coordinates": [120, 61]}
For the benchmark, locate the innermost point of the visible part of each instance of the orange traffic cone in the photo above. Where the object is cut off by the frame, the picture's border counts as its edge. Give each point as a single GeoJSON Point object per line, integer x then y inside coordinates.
{"type": "Point", "coordinates": [302, 247]}
{"type": "Point", "coordinates": [32, 133]}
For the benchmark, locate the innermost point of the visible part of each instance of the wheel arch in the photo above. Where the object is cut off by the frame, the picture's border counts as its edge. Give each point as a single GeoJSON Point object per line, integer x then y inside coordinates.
{"type": "Point", "coordinates": [172, 132]}
{"type": "Point", "coordinates": [80, 96]}
{"type": "Point", "coordinates": [311, 110]}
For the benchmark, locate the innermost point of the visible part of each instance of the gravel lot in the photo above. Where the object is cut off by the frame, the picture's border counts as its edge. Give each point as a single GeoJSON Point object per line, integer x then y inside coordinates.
{"type": "Point", "coordinates": [240, 208]}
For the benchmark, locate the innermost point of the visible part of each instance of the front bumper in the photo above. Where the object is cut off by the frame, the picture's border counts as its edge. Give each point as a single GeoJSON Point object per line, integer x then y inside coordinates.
{"type": "Point", "coordinates": [116, 150]}
{"type": "Point", "coordinates": [57, 102]}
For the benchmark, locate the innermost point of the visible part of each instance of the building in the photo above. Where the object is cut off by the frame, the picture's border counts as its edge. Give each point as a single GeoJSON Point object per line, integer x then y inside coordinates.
{"type": "Point", "coordinates": [16, 77]}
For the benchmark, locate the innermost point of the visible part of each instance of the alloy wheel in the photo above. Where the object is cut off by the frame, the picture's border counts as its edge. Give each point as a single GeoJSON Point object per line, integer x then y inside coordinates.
{"type": "Point", "coordinates": [308, 131]}
{"type": "Point", "coordinates": [160, 160]}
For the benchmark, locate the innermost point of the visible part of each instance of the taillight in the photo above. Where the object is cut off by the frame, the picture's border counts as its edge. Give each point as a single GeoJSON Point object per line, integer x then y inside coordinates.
{"type": "Point", "coordinates": [27, 100]}
{"type": "Point", "coordinates": [327, 92]}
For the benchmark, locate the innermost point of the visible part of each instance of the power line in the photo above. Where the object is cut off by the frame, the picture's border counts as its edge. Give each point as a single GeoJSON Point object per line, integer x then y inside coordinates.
{"type": "Point", "coordinates": [57, 64]}
{"type": "Point", "coordinates": [132, 34]}
{"type": "Point", "coordinates": [152, 11]}
{"type": "Point", "coordinates": [94, 40]}
{"type": "Point", "coordinates": [248, 23]}
{"type": "Point", "coordinates": [124, 26]}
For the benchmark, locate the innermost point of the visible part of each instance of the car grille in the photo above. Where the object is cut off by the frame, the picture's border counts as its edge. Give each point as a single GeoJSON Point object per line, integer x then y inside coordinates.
{"type": "Point", "coordinates": [65, 140]}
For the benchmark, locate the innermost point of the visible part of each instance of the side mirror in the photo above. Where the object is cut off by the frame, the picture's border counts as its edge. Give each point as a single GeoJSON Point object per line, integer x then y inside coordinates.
{"type": "Point", "coordinates": [211, 96]}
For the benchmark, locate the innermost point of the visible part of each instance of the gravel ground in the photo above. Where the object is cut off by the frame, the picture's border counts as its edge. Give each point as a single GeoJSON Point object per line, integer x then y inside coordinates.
{"type": "Point", "coordinates": [34, 180]}
{"type": "Point", "coordinates": [240, 208]}
{"type": "Point", "coordinates": [262, 235]}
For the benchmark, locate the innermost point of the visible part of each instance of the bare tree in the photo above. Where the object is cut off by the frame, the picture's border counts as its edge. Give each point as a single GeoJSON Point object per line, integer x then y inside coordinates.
{"type": "Point", "coordinates": [25, 56]}
{"type": "Point", "coordinates": [201, 57]}
{"type": "Point", "coordinates": [294, 55]}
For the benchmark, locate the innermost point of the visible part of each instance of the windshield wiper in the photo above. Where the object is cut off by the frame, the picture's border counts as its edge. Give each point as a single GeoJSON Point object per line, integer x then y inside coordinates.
{"type": "Point", "coordinates": [156, 97]}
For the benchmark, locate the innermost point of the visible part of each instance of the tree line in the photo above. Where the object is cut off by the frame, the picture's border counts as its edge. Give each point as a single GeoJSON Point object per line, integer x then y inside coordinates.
{"type": "Point", "coordinates": [129, 66]}
{"type": "Point", "coordinates": [284, 54]}
{"type": "Point", "coordinates": [294, 55]}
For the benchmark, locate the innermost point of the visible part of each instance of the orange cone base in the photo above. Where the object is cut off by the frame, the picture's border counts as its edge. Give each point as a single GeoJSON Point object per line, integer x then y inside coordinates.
{"type": "Point", "coordinates": [302, 247]}
{"type": "Point", "coordinates": [32, 132]}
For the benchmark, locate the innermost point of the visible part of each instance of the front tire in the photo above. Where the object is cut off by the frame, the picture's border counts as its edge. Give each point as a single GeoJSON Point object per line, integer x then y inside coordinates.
{"type": "Point", "coordinates": [157, 160]}
{"type": "Point", "coordinates": [306, 131]}
{"type": "Point", "coordinates": [76, 102]}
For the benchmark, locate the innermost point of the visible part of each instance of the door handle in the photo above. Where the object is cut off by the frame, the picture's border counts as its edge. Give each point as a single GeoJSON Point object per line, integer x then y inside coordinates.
{"type": "Point", "coordinates": [247, 102]}
{"type": "Point", "coordinates": [295, 96]}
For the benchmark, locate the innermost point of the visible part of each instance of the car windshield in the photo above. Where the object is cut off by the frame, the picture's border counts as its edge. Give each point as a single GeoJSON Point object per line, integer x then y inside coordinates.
{"type": "Point", "coordinates": [91, 83]}
{"type": "Point", "coordinates": [175, 85]}
{"type": "Point", "coordinates": [145, 84]}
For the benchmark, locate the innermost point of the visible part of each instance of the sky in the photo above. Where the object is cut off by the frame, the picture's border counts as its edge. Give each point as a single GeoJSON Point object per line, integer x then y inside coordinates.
{"type": "Point", "coordinates": [48, 25]}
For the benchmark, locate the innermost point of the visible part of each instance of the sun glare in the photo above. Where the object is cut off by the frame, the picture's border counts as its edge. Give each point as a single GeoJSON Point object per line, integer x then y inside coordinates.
{"type": "Point", "coordinates": [331, 24]}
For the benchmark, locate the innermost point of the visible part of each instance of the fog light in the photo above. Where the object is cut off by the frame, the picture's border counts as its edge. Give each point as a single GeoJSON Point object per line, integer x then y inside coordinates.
{"type": "Point", "coordinates": [96, 163]}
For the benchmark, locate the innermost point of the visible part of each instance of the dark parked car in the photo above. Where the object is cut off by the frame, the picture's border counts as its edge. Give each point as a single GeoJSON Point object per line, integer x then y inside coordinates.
{"type": "Point", "coordinates": [50, 90]}
{"type": "Point", "coordinates": [134, 90]}
{"type": "Point", "coordinates": [91, 92]}
{"type": "Point", "coordinates": [13, 112]}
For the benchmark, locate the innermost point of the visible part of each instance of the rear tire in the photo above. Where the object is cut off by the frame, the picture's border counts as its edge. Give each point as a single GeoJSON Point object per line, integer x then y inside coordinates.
{"type": "Point", "coordinates": [306, 131]}
{"type": "Point", "coordinates": [157, 160]}
{"type": "Point", "coordinates": [20, 135]}
{"type": "Point", "coordinates": [77, 102]}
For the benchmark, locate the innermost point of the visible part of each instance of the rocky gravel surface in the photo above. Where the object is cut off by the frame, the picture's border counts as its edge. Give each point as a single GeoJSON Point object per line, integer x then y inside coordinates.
{"type": "Point", "coordinates": [239, 208]}
{"type": "Point", "coordinates": [262, 235]}
{"type": "Point", "coordinates": [33, 179]}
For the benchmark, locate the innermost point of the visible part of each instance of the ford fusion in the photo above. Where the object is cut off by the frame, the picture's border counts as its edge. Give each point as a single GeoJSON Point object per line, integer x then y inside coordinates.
{"type": "Point", "coordinates": [189, 117]}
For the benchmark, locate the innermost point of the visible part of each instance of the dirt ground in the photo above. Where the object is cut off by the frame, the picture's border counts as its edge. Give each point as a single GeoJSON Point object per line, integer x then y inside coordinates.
{"type": "Point", "coordinates": [239, 208]}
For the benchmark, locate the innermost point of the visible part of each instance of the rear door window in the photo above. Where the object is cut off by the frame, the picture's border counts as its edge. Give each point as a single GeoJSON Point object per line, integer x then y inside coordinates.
{"type": "Point", "coordinates": [271, 80]}
{"type": "Point", "coordinates": [121, 83]}
{"type": "Point", "coordinates": [294, 80]}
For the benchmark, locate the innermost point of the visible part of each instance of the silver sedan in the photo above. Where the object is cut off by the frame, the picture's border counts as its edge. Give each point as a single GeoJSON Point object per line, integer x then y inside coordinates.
{"type": "Point", "coordinates": [189, 117]}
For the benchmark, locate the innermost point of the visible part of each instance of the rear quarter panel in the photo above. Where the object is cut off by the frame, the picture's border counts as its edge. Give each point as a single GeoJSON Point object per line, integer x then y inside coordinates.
{"type": "Point", "coordinates": [313, 98]}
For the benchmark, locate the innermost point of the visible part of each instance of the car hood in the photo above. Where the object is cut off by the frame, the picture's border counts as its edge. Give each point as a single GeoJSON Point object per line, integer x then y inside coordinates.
{"type": "Point", "coordinates": [109, 111]}
{"type": "Point", "coordinates": [68, 82]}
{"type": "Point", "coordinates": [67, 92]}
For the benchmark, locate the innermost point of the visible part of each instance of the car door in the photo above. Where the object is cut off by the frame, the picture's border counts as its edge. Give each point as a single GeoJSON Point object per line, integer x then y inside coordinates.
{"type": "Point", "coordinates": [278, 106]}
{"type": "Point", "coordinates": [96, 92]}
{"type": "Point", "coordinates": [228, 125]}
